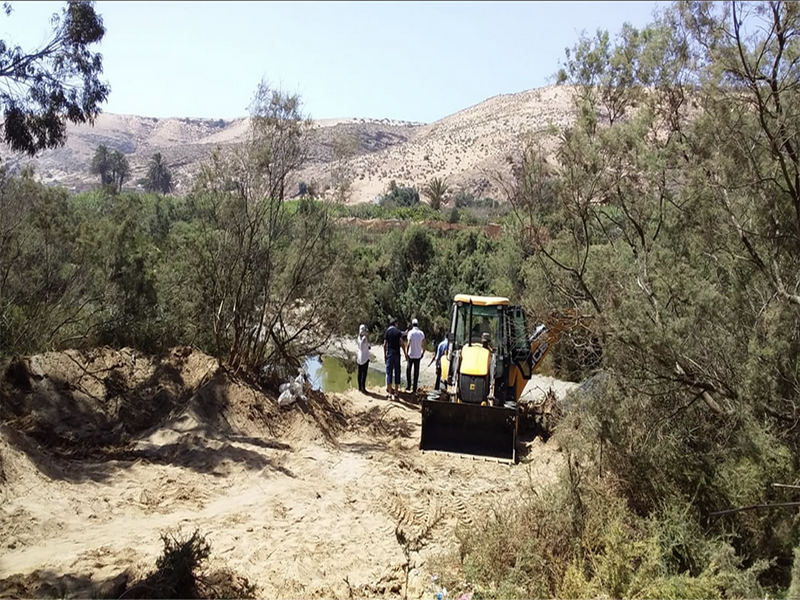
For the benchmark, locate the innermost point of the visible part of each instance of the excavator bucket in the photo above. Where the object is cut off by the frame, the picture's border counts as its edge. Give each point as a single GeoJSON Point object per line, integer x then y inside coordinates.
{"type": "Point", "coordinates": [485, 431]}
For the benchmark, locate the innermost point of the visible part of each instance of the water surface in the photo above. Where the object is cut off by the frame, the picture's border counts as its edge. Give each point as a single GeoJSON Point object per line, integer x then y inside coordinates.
{"type": "Point", "coordinates": [329, 374]}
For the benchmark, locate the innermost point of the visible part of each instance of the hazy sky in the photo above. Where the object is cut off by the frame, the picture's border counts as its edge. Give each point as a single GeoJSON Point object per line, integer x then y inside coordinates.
{"type": "Point", "coordinates": [415, 61]}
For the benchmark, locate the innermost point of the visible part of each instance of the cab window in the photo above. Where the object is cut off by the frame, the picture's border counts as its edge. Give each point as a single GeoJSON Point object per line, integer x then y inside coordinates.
{"type": "Point", "coordinates": [485, 319]}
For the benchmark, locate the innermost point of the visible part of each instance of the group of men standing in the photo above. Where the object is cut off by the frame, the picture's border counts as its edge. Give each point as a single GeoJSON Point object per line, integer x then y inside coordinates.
{"type": "Point", "coordinates": [412, 344]}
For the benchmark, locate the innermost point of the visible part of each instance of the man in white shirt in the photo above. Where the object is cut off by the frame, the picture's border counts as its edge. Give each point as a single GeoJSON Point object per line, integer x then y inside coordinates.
{"type": "Point", "coordinates": [415, 351]}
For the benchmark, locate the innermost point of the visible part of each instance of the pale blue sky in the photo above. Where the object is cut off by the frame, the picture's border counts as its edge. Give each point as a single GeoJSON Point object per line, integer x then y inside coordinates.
{"type": "Point", "coordinates": [415, 61]}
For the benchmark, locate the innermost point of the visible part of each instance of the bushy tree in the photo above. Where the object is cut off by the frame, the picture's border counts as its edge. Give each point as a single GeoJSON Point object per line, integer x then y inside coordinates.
{"type": "Point", "coordinates": [435, 191]}
{"type": "Point", "coordinates": [44, 284]}
{"type": "Point", "coordinates": [265, 277]}
{"type": "Point", "coordinates": [669, 211]}
{"type": "Point", "coordinates": [159, 178]}
{"type": "Point", "coordinates": [101, 165]}
{"type": "Point", "coordinates": [59, 82]}
{"type": "Point", "coordinates": [398, 197]}
{"type": "Point", "coordinates": [120, 169]}
{"type": "Point", "coordinates": [464, 199]}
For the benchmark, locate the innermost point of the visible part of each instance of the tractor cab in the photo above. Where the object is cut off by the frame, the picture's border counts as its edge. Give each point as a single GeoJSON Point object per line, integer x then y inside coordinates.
{"type": "Point", "coordinates": [488, 342]}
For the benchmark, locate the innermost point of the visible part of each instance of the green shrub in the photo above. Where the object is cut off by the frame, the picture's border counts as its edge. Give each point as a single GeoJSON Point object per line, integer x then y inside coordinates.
{"type": "Point", "coordinates": [396, 197]}
{"type": "Point", "coordinates": [181, 573]}
{"type": "Point", "coordinates": [794, 589]}
{"type": "Point", "coordinates": [577, 538]}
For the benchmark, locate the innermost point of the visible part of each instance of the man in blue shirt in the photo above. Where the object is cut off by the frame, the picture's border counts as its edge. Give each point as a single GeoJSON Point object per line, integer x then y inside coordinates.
{"type": "Point", "coordinates": [441, 350]}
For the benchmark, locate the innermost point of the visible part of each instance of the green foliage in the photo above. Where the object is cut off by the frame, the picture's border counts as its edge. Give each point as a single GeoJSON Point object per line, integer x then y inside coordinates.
{"type": "Point", "coordinates": [416, 273]}
{"type": "Point", "coordinates": [435, 191]}
{"type": "Point", "coordinates": [86, 269]}
{"type": "Point", "coordinates": [579, 539]}
{"type": "Point", "coordinates": [261, 273]}
{"type": "Point", "coordinates": [794, 589]}
{"type": "Point", "coordinates": [654, 214]}
{"type": "Point", "coordinates": [159, 178]}
{"type": "Point", "coordinates": [59, 82]}
{"type": "Point", "coordinates": [417, 212]}
{"type": "Point", "coordinates": [399, 197]}
{"type": "Point", "coordinates": [112, 167]}
{"type": "Point", "coordinates": [101, 165]}
{"type": "Point", "coordinates": [43, 278]}
{"type": "Point", "coordinates": [120, 169]}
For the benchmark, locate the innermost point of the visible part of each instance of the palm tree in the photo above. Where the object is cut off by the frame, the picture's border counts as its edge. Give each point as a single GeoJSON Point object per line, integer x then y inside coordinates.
{"type": "Point", "coordinates": [159, 179]}
{"type": "Point", "coordinates": [120, 169]}
{"type": "Point", "coordinates": [435, 190]}
{"type": "Point", "coordinates": [101, 164]}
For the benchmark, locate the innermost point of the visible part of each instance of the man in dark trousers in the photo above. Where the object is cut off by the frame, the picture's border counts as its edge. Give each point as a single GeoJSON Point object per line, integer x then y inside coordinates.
{"type": "Point", "coordinates": [415, 350]}
{"type": "Point", "coordinates": [391, 354]}
{"type": "Point", "coordinates": [441, 350]}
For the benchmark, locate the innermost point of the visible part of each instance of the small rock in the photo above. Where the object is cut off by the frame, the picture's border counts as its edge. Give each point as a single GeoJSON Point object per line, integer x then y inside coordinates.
{"type": "Point", "coordinates": [341, 591]}
{"type": "Point", "coordinates": [11, 543]}
{"type": "Point", "coordinates": [416, 584]}
{"type": "Point", "coordinates": [113, 588]}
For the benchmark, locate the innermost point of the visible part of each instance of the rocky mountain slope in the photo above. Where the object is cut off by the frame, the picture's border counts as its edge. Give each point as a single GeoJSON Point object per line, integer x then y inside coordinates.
{"type": "Point", "coordinates": [464, 147]}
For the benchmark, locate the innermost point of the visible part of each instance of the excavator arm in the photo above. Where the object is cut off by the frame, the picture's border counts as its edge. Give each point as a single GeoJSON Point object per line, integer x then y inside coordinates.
{"type": "Point", "coordinates": [545, 336]}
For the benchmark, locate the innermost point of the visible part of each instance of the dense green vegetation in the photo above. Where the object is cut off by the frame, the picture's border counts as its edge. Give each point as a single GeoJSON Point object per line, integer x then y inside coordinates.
{"type": "Point", "coordinates": [147, 270]}
{"type": "Point", "coordinates": [670, 212]}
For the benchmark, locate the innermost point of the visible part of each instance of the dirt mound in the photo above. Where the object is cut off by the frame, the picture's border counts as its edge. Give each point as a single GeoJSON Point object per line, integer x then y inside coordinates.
{"type": "Point", "coordinates": [81, 399]}
{"type": "Point", "coordinates": [179, 407]}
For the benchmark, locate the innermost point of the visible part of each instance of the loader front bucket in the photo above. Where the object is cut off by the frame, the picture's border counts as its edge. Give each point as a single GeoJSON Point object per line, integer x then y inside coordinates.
{"type": "Point", "coordinates": [487, 431]}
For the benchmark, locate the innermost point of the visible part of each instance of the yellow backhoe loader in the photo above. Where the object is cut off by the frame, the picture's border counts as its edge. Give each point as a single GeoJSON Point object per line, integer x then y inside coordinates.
{"type": "Point", "coordinates": [490, 359]}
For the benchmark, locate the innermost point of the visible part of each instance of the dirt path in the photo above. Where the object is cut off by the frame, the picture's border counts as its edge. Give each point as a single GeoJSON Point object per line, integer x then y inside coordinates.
{"type": "Point", "coordinates": [299, 511]}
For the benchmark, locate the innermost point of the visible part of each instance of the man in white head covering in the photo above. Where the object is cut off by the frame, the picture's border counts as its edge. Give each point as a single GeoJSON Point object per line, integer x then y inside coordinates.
{"type": "Point", "coordinates": [362, 357]}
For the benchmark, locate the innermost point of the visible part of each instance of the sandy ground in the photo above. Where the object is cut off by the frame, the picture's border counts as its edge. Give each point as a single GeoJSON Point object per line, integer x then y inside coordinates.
{"type": "Point", "coordinates": [307, 501]}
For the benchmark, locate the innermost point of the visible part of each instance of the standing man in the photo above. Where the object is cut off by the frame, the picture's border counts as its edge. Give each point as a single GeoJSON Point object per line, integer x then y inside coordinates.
{"type": "Point", "coordinates": [414, 353]}
{"type": "Point", "coordinates": [391, 355]}
{"type": "Point", "coordinates": [441, 350]}
{"type": "Point", "coordinates": [362, 357]}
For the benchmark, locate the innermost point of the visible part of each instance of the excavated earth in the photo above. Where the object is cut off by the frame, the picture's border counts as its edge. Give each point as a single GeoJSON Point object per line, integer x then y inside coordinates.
{"type": "Point", "coordinates": [104, 451]}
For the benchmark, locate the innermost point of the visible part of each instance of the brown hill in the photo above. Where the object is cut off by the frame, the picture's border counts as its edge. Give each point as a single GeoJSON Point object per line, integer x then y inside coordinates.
{"type": "Point", "coordinates": [462, 147]}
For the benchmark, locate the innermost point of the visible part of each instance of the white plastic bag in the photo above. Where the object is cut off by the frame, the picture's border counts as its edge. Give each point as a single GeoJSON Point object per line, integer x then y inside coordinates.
{"type": "Point", "coordinates": [286, 398]}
